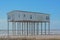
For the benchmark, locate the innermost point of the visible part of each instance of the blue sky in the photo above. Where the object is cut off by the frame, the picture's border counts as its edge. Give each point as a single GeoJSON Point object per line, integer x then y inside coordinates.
{"type": "Point", "coordinates": [51, 7]}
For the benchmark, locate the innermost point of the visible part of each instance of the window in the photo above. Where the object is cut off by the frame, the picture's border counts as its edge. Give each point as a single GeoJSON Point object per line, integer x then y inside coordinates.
{"type": "Point", "coordinates": [24, 15]}
{"type": "Point", "coordinates": [47, 17]}
{"type": "Point", "coordinates": [9, 17]}
{"type": "Point", "coordinates": [30, 16]}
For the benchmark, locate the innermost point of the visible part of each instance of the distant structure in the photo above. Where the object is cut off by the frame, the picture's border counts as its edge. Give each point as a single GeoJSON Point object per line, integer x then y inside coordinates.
{"type": "Point", "coordinates": [23, 23]}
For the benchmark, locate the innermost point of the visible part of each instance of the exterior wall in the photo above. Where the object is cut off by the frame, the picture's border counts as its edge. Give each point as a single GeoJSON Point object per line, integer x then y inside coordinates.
{"type": "Point", "coordinates": [20, 16]}
{"type": "Point", "coordinates": [42, 17]}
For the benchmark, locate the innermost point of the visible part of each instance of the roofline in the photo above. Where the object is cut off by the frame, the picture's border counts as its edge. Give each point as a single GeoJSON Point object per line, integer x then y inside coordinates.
{"type": "Point", "coordinates": [28, 12]}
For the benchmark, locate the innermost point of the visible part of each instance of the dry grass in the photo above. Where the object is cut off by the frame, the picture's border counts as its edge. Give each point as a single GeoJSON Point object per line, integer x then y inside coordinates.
{"type": "Point", "coordinates": [47, 37]}
{"type": "Point", "coordinates": [27, 39]}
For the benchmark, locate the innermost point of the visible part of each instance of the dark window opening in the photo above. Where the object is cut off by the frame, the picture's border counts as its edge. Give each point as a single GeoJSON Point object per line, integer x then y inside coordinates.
{"type": "Point", "coordinates": [47, 17]}
{"type": "Point", "coordinates": [30, 16]}
{"type": "Point", "coordinates": [24, 15]}
{"type": "Point", "coordinates": [9, 17]}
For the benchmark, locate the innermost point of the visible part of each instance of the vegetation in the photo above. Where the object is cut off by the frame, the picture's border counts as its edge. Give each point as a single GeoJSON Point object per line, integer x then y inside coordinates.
{"type": "Point", "coordinates": [27, 39]}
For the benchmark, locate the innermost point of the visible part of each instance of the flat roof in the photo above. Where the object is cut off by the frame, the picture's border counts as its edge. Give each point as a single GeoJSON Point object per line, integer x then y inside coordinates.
{"type": "Point", "coordinates": [27, 12]}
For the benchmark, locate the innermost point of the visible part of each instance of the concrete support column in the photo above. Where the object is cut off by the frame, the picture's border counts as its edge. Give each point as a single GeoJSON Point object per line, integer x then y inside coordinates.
{"type": "Point", "coordinates": [22, 28]}
{"type": "Point", "coordinates": [41, 28]}
{"type": "Point", "coordinates": [48, 28]}
{"type": "Point", "coordinates": [45, 28]}
{"type": "Point", "coordinates": [37, 28]}
{"type": "Point", "coordinates": [14, 28]}
{"type": "Point", "coordinates": [19, 29]}
{"type": "Point", "coordinates": [27, 28]}
{"type": "Point", "coordinates": [34, 28]}
{"type": "Point", "coordinates": [30, 28]}
{"type": "Point", "coordinates": [8, 29]}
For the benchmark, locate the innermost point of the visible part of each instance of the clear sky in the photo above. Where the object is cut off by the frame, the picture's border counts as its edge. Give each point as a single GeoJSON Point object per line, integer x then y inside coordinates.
{"type": "Point", "coordinates": [51, 7]}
